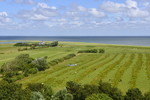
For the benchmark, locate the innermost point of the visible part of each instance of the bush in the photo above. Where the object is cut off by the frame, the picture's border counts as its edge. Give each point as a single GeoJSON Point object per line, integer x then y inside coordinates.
{"type": "Point", "coordinates": [88, 51]}
{"type": "Point", "coordinates": [98, 97]}
{"type": "Point", "coordinates": [53, 44]}
{"type": "Point", "coordinates": [45, 90]}
{"type": "Point", "coordinates": [101, 51]}
{"type": "Point", "coordinates": [36, 96]}
{"type": "Point", "coordinates": [13, 91]}
{"type": "Point", "coordinates": [133, 94]}
{"type": "Point", "coordinates": [40, 63]}
{"type": "Point", "coordinates": [62, 95]}
{"type": "Point", "coordinates": [69, 56]}
{"type": "Point", "coordinates": [32, 71]}
{"type": "Point", "coordinates": [21, 44]}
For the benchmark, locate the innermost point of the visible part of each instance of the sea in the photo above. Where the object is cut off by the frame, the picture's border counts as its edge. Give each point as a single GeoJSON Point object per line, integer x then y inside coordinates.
{"type": "Point", "coordinates": [120, 40]}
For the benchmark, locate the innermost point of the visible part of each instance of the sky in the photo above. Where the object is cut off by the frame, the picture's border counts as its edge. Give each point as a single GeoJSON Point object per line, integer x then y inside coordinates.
{"type": "Point", "coordinates": [74, 17]}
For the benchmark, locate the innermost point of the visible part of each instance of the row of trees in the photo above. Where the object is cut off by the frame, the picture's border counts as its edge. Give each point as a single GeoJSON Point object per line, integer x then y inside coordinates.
{"type": "Point", "coordinates": [92, 51]}
{"type": "Point", "coordinates": [73, 91]}
{"type": "Point", "coordinates": [52, 44]}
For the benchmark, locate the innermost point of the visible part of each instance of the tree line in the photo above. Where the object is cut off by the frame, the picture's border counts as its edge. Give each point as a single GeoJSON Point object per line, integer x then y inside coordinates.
{"type": "Point", "coordinates": [73, 91]}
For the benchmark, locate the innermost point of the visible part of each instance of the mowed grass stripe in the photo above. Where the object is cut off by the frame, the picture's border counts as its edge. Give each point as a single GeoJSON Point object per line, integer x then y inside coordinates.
{"type": "Point", "coordinates": [111, 74]}
{"type": "Point", "coordinates": [61, 81]}
{"type": "Point", "coordinates": [94, 67]}
{"type": "Point", "coordinates": [89, 78]}
{"type": "Point", "coordinates": [103, 74]}
{"type": "Point", "coordinates": [122, 69]}
{"type": "Point", "coordinates": [71, 70]}
{"type": "Point", "coordinates": [124, 85]}
{"type": "Point", "coordinates": [135, 70]}
{"type": "Point", "coordinates": [55, 69]}
{"type": "Point", "coordinates": [143, 83]}
{"type": "Point", "coordinates": [148, 66]}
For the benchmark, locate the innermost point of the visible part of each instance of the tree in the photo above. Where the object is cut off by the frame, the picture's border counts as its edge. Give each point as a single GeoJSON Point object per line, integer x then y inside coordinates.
{"type": "Point", "coordinates": [133, 94]}
{"type": "Point", "coordinates": [62, 95]}
{"type": "Point", "coordinates": [89, 89]}
{"type": "Point", "coordinates": [75, 89]}
{"type": "Point", "coordinates": [45, 90]}
{"type": "Point", "coordinates": [54, 44]}
{"type": "Point", "coordinates": [147, 96]}
{"type": "Point", "coordinates": [40, 63]}
{"type": "Point", "coordinates": [98, 97]}
{"type": "Point", "coordinates": [36, 96]}
{"type": "Point", "coordinates": [113, 92]}
{"type": "Point", "coordinates": [13, 91]}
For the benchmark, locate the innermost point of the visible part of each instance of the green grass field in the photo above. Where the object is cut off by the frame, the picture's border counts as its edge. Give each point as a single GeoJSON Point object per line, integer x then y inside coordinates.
{"type": "Point", "coordinates": [122, 66]}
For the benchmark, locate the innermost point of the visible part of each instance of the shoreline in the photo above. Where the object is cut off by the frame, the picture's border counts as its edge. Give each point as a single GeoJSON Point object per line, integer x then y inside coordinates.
{"type": "Point", "coordinates": [74, 43]}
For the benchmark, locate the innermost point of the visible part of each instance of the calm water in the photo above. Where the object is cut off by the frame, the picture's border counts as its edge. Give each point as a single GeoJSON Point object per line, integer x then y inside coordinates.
{"type": "Point", "coordinates": [141, 41]}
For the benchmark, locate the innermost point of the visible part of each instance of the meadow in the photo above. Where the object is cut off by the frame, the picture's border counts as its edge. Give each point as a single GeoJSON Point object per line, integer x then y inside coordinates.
{"type": "Point", "coordinates": [123, 66]}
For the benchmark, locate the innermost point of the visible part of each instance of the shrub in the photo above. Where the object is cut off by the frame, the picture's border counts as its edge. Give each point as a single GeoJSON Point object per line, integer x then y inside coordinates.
{"type": "Point", "coordinates": [13, 91]}
{"type": "Point", "coordinates": [88, 51]}
{"type": "Point", "coordinates": [133, 94]}
{"type": "Point", "coordinates": [98, 97]}
{"type": "Point", "coordinates": [40, 63]}
{"type": "Point", "coordinates": [101, 51]}
{"type": "Point", "coordinates": [62, 95]}
{"type": "Point", "coordinates": [53, 44]}
{"type": "Point", "coordinates": [36, 96]}
{"type": "Point", "coordinates": [45, 90]}
{"type": "Point", "coordinates": [69, 56]}
{"type": "Point", "coordinates": [21, 44]}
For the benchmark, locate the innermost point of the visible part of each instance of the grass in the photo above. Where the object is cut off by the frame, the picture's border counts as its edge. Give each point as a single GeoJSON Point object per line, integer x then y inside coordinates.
{"type": "Point", "coordinates": [122, 66]}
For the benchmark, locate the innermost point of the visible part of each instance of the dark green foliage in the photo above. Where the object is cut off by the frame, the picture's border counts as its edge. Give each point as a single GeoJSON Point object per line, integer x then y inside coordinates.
{"type": "Point", "coordinates": [22, 44]}
{"type": "Point", "coordinates": [101, 51]}
{"type": "Point", "coordinates": [75, 89]}
{"type": "Point", "coordinates": [62, 95]}
{"type": "Point", "coordinates": [36, 96]}
{"type": "Point", "coordinates": [89, 89]}
{"type": "Point", "coordinates": [22, 66]}
{"type": "Point", "coordinates": [40, 63]}
{"type": "Point", "coordinates": [13, 91]}
{"type": "Point", "coordinates": [133, 94]}
{"type": "Point", "coordinates": [88, 51]}
{"type": "Point", "coordinates": [69, 56]}
{"type": "Point", "coordinates": [112, 92]}
{"type": "Point", "coordinates": [98, 97]}
{"type": "Point", "coordinates": [147, 96]}
{"type": "Point", "coordinates": [56, 61]}
{"type": "Point", "coordinates": [54, 44]}
{"type": "Point", "coordinates": [45, 90]}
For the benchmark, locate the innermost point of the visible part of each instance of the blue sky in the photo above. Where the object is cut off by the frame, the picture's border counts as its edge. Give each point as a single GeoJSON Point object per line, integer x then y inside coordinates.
{"type": "Point", "coordinates": [75, 17]}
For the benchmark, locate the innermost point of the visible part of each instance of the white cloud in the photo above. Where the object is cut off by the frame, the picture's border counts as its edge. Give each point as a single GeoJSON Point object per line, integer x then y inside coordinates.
{"type": "Point", "coordinates": [131, 4]}
{"type": "Point", "coordinates": [137, 13]}
{"type": "Point", "coordinates": [81, 8]}
{"type": "Point", "coordinates": [96, 13]}
{"type": "Point", "coordinates": [41, 12]}
{"type": "Point", "coordinates": [4, 19]}
{"type": "Point", "coordinates": [113, 7]}
{"type": "Point", "coordinates": [129, 8]}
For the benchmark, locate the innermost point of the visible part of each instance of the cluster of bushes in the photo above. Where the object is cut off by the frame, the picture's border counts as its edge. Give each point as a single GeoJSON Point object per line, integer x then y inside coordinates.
{"type": "Point", "coordinates": [52, 44]}
{"type": "Point", "coordinates": [27, 48]}
{"type": "Point", "coordinates": [22, 66]}
{"type": "Point", "coordinates": [22, 44]}
{"type": "Point", "coordinates": [56, 61]}
{"type": "Point", "coordinates": [92, 51]}
{"type": "Point", "coordinates": [73, 91]}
